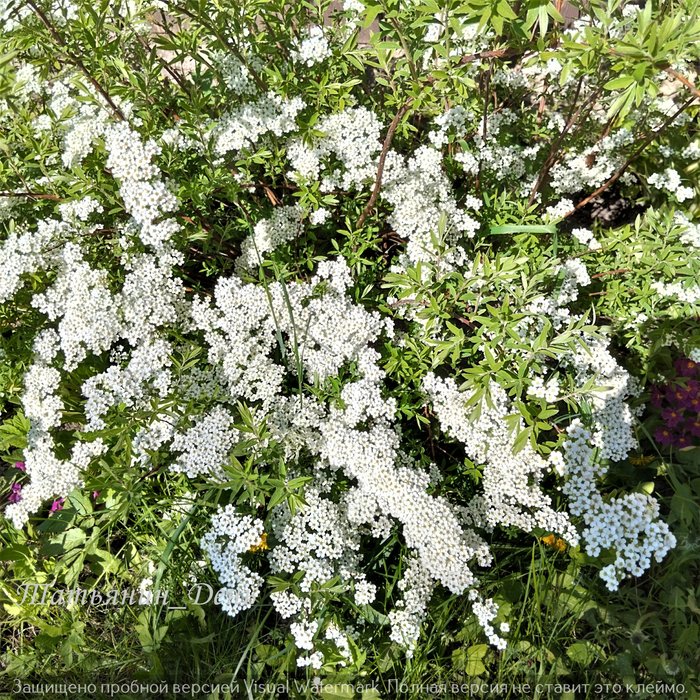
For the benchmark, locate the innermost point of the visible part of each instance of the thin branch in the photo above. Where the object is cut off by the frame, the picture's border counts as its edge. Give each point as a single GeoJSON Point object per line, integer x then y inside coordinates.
{"type": "Point", "coordinates": [75, 60]}
{"type": "Point", "coordinates": [557, 144]}
{"type": "Point", "coordinates": [634, 157]}
{"type": "Point", "coordinates": [610, 272]}
{"type": "Point", "coordinates": [684, 80]}
{"type": "Point", "coordinates": [382, 158]}
{"type": "Point", "coordinates": [165, 65]}
{"type": "Point", "coordinates": [29, 194]}
{"type": "Point", "coordinates": [227, 44]}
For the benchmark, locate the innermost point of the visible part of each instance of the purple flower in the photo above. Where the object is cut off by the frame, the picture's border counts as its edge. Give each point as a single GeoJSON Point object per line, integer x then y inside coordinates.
{"type": "Point", "coordinates": [681, 441]}
{"type": "Point", "coordinates": [686, 367]}
{"type": "Point", "coordinates": [95, 494]}
{"type": "Point", "coordinates": [664, 436]}
{"type": "Point", "coordinates": [693, 403]}
{"type": "Point", "coordinates": [672, 417]}
{"type": "Point", "coordinates": [57, 505]}
{"type": "Point", "coordinates": [693, 426]}
{"type": "Point", "coordinates": [677, 394]}
{"type": "Point", "coordinates": [20, 465]}
{"type": "Point", "coordinates": [16, 495]}
{"type": "Point", "coordinates": [657, 397]}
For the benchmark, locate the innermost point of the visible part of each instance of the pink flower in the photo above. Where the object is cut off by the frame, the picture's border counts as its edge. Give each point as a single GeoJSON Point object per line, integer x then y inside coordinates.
{"type": "Point", "coordinates": [57, 505]}
{"type": "Point", "coordinates": [20, 465]}
{"type": "Point", "coordinates": [16, 495]}
{"type": "Point", "coordinates": [95, 494]}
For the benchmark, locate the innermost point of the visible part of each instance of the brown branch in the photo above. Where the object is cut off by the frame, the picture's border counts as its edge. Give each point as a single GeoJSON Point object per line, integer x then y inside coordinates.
{"type": "Point", "coordinates": [590, 250]}
{"type": "Point", "coordinates": [227, 44]}
{"type": "Point", "coordinates": [30, 194]}
{"type": "Point", "coordinates": [634, 157]}
{"type": "Point", "coordinates": [382, 158]}
{"type": "Point", "coordinates": [400, 302]}
{"type": "Point", "coordinates": [684, 80]}
{"type": "Point", "coordinates": [165, 65]}
{"type": "Point", "coordinates": [554, 151]}
{"type": "Point", "coordinates": [74, 60]}
{"type": "Point", "coordinates": [610, 272]}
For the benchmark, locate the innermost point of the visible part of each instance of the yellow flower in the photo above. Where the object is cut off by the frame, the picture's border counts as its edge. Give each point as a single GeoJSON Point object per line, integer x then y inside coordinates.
{"type": "Point", "coordinates": [641, 461]}
{"type": "Point", "coordinates": [261, 545]}
{"type": "Point", "coordinates": [551, 541]}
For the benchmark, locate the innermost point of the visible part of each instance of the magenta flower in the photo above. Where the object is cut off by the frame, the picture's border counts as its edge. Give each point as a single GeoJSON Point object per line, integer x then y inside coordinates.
{"type": "Point", "coordinates": [20, 465]}
{"type": "Point", "coordinates": [686, 367]}
{"type": "Point", "coordinates": [57, 505]}
{"type": "Point", "coordinates": [672, 417]}
{"type": "Point", "coordinates": [664, 436]}
{"type": "Point", "coordinates": [16, 495]}
{"type": "Point", "coordinates": [95, 494]}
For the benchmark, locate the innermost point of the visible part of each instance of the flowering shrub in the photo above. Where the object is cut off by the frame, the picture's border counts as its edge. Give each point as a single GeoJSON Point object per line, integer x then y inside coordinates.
{"type": "Point", "coordinates": [340, 319]}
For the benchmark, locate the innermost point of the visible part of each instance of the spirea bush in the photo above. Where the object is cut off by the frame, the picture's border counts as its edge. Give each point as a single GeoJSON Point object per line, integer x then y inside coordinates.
{"type": "Point", "coordinates": [328, 323]}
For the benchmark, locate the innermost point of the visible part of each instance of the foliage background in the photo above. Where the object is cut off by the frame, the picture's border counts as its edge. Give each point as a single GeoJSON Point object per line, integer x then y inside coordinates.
{"type": "Point", "coordinates": [566, 627]}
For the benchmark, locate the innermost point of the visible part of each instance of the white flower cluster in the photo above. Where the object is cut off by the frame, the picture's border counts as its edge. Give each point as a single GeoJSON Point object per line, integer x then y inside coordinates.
{"type": "Point", "coordinates": [89, 318]}
{"type": "Point", "coordinates": [503, 160]}
{"type": "Point", "coordinates": [318, 540]}
{"type": "Point", "coordinates": [235, 73]}
{"type": "Point", "coordinates": [575, 276]}
{"type": "Point", "coordinates": [417, 586]}
{"type": "Point", "coordinates": [690, 234]}
{"type": "Point", "coordinates": [268, 234]}
{"type": "Point", "coordinates": [50, 477]}
{"type": "Point", "coordinates": [231, 536]}
{"type": "Point", "coordinates": [454, 118]}
{"type": "Point", "coordinates": [353, 6]}
{"type": "Point", "coordinates": [486, 611]}
{"type": "Point", "coordinates": [314, 49]}
{"type": "Point", "coordinates": [512, 495]}
{"type": "Point", "coordinates": [670, 180]}
{"type": "Point", "coordinates": [352, 136]}
{"type": "Point", "coordinates": [145, 196]}
{"type": "Point", "coordinates": [548, 392]}
{"type": "Point", "coordinates": [26, 252]}
{"type": "Point", "coordinates": [420, 191]}
{"type": "Point", "coordinates": [79, 209]}
{"type": "Point", "coordinates": [593, 166]}
{"type": "Point", "coordinates": [585, 237]}
{"type": "Point", "coordinates": [628, 525]}
{"type": "Point", "coordinates": [559, 210]}
{"type": "Point", "coordinates": [7, 206]}
{"type": "Point", "coordinates": [81, 299]}
{"type": "Point", "coordinates": [243, 126]}
{"type": "Point", "coordinates": [688, 295]}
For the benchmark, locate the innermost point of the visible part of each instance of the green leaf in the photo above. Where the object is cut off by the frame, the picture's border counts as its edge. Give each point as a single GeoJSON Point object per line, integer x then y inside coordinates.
{"type": "Point", "coordinates": [619, 83]}
{"type": "Point", "coordinates": [60, 544]}
{"type": "Point", "coordinates": [371, 14]}
{"type": "Point", "coordinates": [525, 228]}
{"type": "Point", "coordinates": [470, 660]}
{"type": "Point", "coordinates": [584, 653]}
